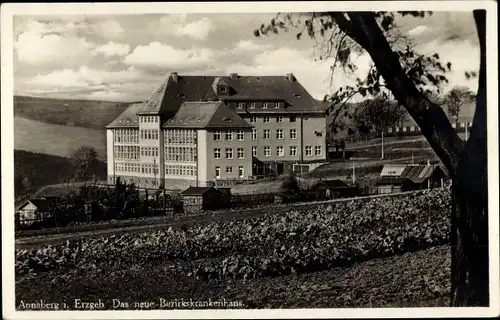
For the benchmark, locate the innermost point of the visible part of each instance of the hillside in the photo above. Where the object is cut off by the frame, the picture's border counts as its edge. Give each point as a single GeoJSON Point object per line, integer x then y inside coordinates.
{"type": "Point", "coordinates": [80, 113]}
{"type": "Point", "coordinates": [43, 169]}
{"type": "Point", "coordinates": [57, 140]}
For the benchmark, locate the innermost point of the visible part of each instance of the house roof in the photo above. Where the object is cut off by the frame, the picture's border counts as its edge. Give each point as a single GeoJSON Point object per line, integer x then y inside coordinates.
{"type": "Point", "coordinates": [205, 115]}
{"type": "Point", "coordinates": [127, 118]}
{"type": "Point", "coordinates": [414, 172]}
{"type": "Point", "coordinates": [42, 204]}
{"type": "Point", "coordinates": [197, 191]}
{"type": "Point", "coordinates": [172, 93]}
{"type": "Point", "coordinates": [332, 184]}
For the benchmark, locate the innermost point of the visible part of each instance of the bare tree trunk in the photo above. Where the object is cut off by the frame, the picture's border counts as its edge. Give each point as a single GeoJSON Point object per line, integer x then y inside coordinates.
{"type": "Point", "coordinates": [470, 270]}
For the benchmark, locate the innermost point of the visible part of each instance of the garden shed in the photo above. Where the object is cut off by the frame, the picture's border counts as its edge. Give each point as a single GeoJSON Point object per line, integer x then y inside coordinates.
{"type": "Point", "coordinates": [195, 199]}
{"type": "Point", "coordinates": [34, 210]}
{"type": "Point", "coordinates": [331, 189]}
{"type": "Point", "coordinates": [406, 177]}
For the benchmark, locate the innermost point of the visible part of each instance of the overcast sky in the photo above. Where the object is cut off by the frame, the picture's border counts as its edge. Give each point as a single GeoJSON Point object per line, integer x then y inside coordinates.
{"type": "Point", "coordinates": [125, 58]}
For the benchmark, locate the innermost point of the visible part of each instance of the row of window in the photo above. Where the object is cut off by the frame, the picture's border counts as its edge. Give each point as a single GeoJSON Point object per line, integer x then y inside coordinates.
{"type": "Point", "coordinates": [228, 135]}
{"type": "Point", "coordinates": [148, 119]}
{"type": "Point", "coordinates": [150, 151]}
{"type": "Point", "coordinates": [267, 119]}
{"type": "Point", "coordinates": [180, 154]}
{"type": "Point", "coordinates": [126, 135]}
{"type": "Point", "coordinates": [417, 128]}
{"type": "Point", "coordinates": [179, 170]}
{"type": "Point", "coordinates": [149, 134]}
{"type": "Point", "coordinates": [180, 136]}
{"type": "Point", "coordinates": [127, 152]}
{"type": "Point", "coordinates": [137, 167]}
{"type": "Point", "coordinates": [240, 135]}
{"type": "Point", "coordinates": [229, 171]}
{"type": "Point", "coordinates": [280, 152]}
{"type": "Point", "coordinates": [252, 105]}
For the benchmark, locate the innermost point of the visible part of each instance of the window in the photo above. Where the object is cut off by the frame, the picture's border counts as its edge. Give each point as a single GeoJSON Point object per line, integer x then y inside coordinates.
{"type": "Point", "coordinates": [241, 105]}
{"type": "Point", "coordinates": [397, 129]}
{"type": "Point", "coordinates": [279, 151]}
{"type": "Point", "coordinates": [292, 118]}
{"type": "Point", "coordinates": [293, 150]}
{"type": "Point", "coordinates": [266, 119]}
{"type": "Point", "coordinates": [217, 172]}
{"type": "Point", "coordinates": [267, 133]}
{"type": "Point", "coordinates": [241, 153]}
{"type": "Point", "coordinates": [254, 134]}
{"type": "Point", "coordinates": [217, 135]}
{"type": "Point", "coordinates": [216, 153]}
{"type": "Point", "coordinates": [229, 135]}
{"type": "Point", "coordinates": [253, 119]}
{"type": "Point", "coordinates": [229, 169]}
{"type": "Point", "coordinates": [308, 150]}
{"type": "Point", "coordinates": [240, 171]}
{"type": "Point", "coordinates": [252, 105]}
{"type": "Point", "coordinates": [279, 133]}
{"type": "Point", "coordinates": [254, 151]}
{"type": "Point", "coordinates": [317, 150]}
{"type": "Point", "coordinates": [229, 153]}
{"type": "Point", "coordinates": [267, 151]}
{"type": "Point", "coordinates": [276, 105]}
{"type": "Point", "coordinates": [279, 119]}
{"type": "Point", "coordinates": [264, 105]}
{"type": "Point", "coordinates": [222, 89]}
{"type": "Point", "coordinates": [404, 129]}
{"type": "Point", "coordinates": [389, 129]}
{"type": "Point", "coordinates": [412, 128]}
{"type": "Point", "coordinates": [240, 135]}
{"type": "Point", "coordinates": [293, 133]}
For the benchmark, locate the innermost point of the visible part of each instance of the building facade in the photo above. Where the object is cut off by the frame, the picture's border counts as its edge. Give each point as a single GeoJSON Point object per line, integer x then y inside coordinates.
{"type": "Point", "coordinates": [195, 130]}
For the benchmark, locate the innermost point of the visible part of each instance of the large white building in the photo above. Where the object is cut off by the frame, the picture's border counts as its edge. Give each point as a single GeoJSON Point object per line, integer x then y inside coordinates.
{"type": "Point", "coordinates": [197, 129]}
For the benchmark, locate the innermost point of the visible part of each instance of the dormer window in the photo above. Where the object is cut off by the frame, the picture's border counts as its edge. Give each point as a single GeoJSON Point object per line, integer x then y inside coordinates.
{"type": "Point", "coordinates": [241, 105]}
{"type": "Point", "coordinates": [252, 105]}
{"type": "Point", "coordinates": [264, 105]}
{"type": "Point", "coordinates": [276, 105]}
{"type": "Point", "coordinates": [222, 89]}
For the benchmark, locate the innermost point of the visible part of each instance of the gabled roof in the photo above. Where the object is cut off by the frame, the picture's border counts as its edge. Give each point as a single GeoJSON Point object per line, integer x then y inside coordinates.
{"type": "Point", "coordinates": [174, 92]}
{"type": "Point", "coordinates": [127, 118]}
{"type": "Point", "coordinates": [197, 191]}
{"type": "Point", "coordinates": [42, 204]}
{"type": "Point", "coordinates": [416, 173]}
{"type": "Point", "coordinates": [206, 115]}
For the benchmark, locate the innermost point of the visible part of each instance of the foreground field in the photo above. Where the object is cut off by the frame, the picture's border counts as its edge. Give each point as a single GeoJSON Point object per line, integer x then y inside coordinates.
{"type": "Point", "coordinates": [299, 243]}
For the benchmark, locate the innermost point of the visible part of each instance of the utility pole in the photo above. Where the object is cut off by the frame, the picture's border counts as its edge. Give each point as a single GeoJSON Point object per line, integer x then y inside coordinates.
{"type": "Point", "coordinates": [466, 125]}
{"type": "Point", "coordinates": [353, 173]}
{"type": "Point", "coordinates": [154, 170]}
{"type": "Point", "coordinates": [382, 156]}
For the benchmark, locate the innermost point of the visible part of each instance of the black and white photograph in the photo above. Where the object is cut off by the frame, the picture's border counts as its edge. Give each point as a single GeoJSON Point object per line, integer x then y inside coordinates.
{"type": "Point", "coordinates": [250, 160]}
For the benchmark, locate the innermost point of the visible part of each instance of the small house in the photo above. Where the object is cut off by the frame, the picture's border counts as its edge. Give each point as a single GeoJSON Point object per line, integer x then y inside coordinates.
{"type": "Point", "coordinates": [34, 210]}
{"type": "Point", "coordinates": [331, 189]}
{"type": "Point", "coordinates": [406, 177]}
{"type": "Point", "coordinates": [195, 199]}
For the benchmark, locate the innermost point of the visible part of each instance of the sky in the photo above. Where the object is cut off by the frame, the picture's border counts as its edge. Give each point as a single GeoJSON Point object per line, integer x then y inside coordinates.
{"type": "Point", "coordinates": [126, 57]}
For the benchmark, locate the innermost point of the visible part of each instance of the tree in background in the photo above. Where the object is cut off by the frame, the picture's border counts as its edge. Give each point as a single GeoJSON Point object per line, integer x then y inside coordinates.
{"type": "Point", "coordinates": [84, 160]}
{"type": "Point", "coordinates": [455, 99]}
{"type": "Point", "coordinates": [411, 77]}
{"type": "Point", "coordinates": [375, 115]}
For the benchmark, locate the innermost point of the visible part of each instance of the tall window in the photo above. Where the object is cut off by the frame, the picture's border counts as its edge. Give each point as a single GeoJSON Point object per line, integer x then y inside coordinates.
{"type": "Point", "coordinates": [279, 151]}
{"type": "Point", "coordinates": [293, 150]}
{"type": "Point", "coordinates": [252, 105]}
{"type": "Point", "coordinates": [229, 153]}
{"type": "Point", "coordinates": [241, 105]}
{"type": "Point", "coordinates": [308, 151]}
{"type": "Point", "coordinates": [254, 134]}
{"type": "Point", "coordinates": [317, 150]}
{"type": "Point", "coordinates": [266, 119]}
{"type": "Point", "coordinates": [279, 119]}
{"type": "Point", "coordinates": [264, 105]}
{"type": "Point", "coordinates": [253, 119]}
{"type": "Point", "coordinates": [229, 135]}
{"type": "Point", "coordinates": [217, 172]}
{"type": "Point", "coordinates": [241, 153]}
{"type": "Point", "coordinates": [254, 151]}
{"type": "Point", "coordinates": [217, 153]}
{"type": "Point", "coordinates": [217, 135]}
{"type": "Point", "coordinates": [267, 133]}
{"type": "Point", "coordinates": [240, 171]}
{"type": "Point", "coordinates": [293, 133]}
{"type": "Point", "coordinates": [267, 151]}
{"type": "Point", "coordinates": [240, 135]}
{"type": "Point", "coordinates": [279, 133]}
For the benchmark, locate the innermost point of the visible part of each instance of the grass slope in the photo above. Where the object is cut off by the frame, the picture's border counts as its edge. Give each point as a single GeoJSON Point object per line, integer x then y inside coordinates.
{"type": "Point", "coordinates": [82, 113]}
{"type": "Point", "coordinates": [57, 140]}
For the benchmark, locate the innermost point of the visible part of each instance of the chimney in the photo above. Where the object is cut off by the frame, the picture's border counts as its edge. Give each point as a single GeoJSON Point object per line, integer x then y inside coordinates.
{"type": "Point", "coordinates": [233, 75]}
{"type": "Point", "coordinates": [290, 77]}
{"type": "Point", "coordinates": [174, 76]}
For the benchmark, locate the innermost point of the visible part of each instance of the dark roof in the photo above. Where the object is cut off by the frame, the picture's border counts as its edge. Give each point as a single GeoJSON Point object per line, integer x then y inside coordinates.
{"type": "Point", "coordinates": [332, 184]}
{"type": "Point", "coordinates": [205, 115]}
{"type": "Point", "coordinates": [127, 118]}
{"type": "Point", "coordinates": [414, 172]}
{"type": "Point", "coordinates": [167, 100]}
{"type": "Point", "coordinates": [197, 191]}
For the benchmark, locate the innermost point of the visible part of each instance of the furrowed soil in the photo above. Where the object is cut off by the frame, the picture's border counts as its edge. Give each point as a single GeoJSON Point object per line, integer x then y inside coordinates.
{"type": "Point", "coordinates": [415, 279]}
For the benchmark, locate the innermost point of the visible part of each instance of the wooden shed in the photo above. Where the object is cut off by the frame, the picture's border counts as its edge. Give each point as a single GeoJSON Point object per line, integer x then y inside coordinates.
{"type": "Point", "coordinates": [195, 199]}
{"type": "Point", "coordinates": [331, 189]}
{"type": "Point", "coordinates": [406, 177]}
{"type": "Point", "coordinates": [34, 210]}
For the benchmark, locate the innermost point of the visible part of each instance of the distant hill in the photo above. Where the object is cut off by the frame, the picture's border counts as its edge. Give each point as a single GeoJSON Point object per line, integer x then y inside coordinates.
{"type": "Point", "coordinates": [43, 169]}
{"type": "Point", "coordinates": [80, 113]}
